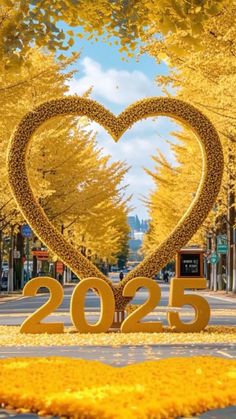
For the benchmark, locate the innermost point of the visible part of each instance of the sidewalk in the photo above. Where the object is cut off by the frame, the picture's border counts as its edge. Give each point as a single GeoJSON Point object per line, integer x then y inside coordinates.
{"type": "Point", "coordinates": [10, 296]}
{"type": "Point", "coordinates": [221, 295]}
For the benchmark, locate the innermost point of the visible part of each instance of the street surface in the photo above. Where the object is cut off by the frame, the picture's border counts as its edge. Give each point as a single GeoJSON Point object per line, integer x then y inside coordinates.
{"type": "Point", "coordinates": [13, 312]}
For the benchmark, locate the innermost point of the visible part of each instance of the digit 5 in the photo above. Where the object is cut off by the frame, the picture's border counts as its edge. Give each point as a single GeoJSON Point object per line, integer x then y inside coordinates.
{"type": "Point", "coordinates": [177, 298]}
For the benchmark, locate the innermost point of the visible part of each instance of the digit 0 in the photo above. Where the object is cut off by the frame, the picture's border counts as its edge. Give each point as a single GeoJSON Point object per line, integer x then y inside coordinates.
{"type": "Point", "coordinates": [107, 306]}
{"type": "Point", "coordinates": [132, 322]}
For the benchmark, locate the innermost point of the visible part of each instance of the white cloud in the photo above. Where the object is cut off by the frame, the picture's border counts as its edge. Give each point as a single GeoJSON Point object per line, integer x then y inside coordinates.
{"type": "Point", "coordinates": [115, 89]}
{"type": "Point", "coordinates": [135, 146]}
{"type": "Point", "coordinates": [115, 86]}
{"type": "Point", "coordinates": [137, 152]}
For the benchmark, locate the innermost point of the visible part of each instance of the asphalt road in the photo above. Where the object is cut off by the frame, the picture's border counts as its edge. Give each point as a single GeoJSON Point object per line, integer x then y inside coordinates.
{"type": "Point", "coordinates": [15, 311]}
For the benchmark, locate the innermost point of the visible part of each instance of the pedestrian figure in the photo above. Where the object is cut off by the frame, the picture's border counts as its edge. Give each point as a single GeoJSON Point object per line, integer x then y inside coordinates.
{"type": "Point", "coordinates": [121, 276]}
{"type": "Point", "coordinates": [60, 278]}
{"type": "Point", "coordinates": [166, 277]}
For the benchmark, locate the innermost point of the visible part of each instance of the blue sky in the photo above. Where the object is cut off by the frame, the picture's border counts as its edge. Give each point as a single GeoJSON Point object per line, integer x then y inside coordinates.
{"type": "Point", "coordinates": [116, 84]}
{"type": "Point", "coordinates": [110, 57]}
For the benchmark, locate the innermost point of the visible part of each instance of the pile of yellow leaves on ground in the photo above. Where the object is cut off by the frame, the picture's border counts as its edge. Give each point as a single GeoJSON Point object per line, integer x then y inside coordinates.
{"type": "Point", "coordinates": [11, 336]}
{"type": "Point", "coordinates": [75, 388]}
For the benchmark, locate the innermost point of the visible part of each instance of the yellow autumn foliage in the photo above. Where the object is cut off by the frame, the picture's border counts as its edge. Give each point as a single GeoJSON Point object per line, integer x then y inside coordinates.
{"type": "Point", "coordinates": [203, 78]}
{"type": "Point", "coordinates": [77, 186]}
{"type": "Point", "coordinates": [23, 23]}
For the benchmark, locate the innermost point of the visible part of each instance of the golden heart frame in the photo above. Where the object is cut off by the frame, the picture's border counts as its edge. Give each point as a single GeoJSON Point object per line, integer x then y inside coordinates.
{"type": "Point", "coordinates": [213, 164]}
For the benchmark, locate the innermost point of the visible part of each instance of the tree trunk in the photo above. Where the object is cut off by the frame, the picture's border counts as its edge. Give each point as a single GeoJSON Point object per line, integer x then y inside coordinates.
{"type": "Point", "coordinates": [1, 254]}
{"type": "Point", "coordinates": [19, 261]}
{"type": "Point", "coordinates": [35, 266]}
{"type": "Point", "coordinates": [234, 261]}
{"type": "Point", "coordinates": [208, 265]}
{"type": "Point", "coordinates": [219, 274]}
{"type": "Point", "coordinates": [213, 281]}
{"type": "Point", "coordinates": [11, 262]}
{"type": "Point", "coordinates": [1, 250]}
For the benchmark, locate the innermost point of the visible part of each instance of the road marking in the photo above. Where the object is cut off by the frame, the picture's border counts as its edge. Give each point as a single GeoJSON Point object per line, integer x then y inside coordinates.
{"type": "Point", "coordinates": [225, 354]}
{"type": "Point", "coordinates": [225, 299]}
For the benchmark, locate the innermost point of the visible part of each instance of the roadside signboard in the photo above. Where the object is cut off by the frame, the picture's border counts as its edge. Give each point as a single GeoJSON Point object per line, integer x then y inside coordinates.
{"type": "Point", "coordinates": [59, 267]}
{"type": "Point", "coordinates": [190, 264]}
{"type": "Point", "coordinates": [41, 254]}
{"type": "Point", "coordinates": [26, 231]}
{"type": "Point", "coordinates": [16, 254]}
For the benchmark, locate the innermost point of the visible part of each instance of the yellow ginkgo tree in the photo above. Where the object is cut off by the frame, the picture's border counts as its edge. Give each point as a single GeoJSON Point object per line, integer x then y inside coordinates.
{"type": "Point", "coordinates": [205, 78]}
{"type": "Point", "coordinates": [26, 23]}
{"type": "Point", "coordinates": [74, 181]}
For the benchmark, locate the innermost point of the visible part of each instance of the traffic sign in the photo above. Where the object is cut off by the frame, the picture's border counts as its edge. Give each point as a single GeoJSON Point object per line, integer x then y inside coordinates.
{"type": "Point", "coordinates": [26, 231]}
{"type": "Point", "coordinates": [16, 254]}
{"type": "Point", "coordinates": [222, 248]}
{"type": "Point", "coordinates": [221, 239]}
{"type": "Point", "coordinates": [222, 244]}
{"type": "Point", "coordinates": [214, 258]}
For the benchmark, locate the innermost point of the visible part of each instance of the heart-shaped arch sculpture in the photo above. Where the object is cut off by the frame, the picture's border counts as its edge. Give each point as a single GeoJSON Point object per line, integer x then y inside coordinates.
{"type": "Point", "coordinates": [213, 163]}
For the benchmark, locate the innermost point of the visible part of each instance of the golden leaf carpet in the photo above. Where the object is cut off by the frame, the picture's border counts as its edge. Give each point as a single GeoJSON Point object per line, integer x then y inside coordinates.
{"type": "Point", "coordinates": [10, 336]}
{"type": "Point", "coordinates": [168, 388]}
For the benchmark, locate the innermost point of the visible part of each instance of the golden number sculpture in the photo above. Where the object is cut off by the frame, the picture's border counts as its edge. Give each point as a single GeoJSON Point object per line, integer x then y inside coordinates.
{"type": "Point", "coordinates": [132, 323]}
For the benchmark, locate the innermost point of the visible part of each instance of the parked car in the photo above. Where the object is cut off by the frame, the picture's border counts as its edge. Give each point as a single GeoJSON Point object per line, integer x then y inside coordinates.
{"type": "Point", "coordinates": [74, 278]}
{"type": "Point", "coordinates": [4, 281]}
{"type": "Point", "coordinates": [114, 268]}
{"type": "Point", "coordinates": [42, 273]}
{"type": "Point", "coordinates": [5, 266]}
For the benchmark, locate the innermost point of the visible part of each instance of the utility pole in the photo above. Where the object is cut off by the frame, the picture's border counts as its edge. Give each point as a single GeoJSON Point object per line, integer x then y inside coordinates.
{"type": "Point", "coordinates": [1, 251]}
{"type": "Point", "coordinates": [234, 260]}
{"type": "Point", "coordinates": [230, 224]}
{"type": "Point", "coordinates": [213, 265]}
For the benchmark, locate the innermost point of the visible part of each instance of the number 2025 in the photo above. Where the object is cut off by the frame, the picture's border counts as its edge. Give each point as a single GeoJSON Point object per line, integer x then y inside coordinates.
{"type": "Point", "coordinates": [132, 323]}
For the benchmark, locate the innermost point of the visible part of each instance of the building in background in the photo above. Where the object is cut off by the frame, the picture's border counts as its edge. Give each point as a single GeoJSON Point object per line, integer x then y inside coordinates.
{"type": "Point", "coordinates": [137, 230]}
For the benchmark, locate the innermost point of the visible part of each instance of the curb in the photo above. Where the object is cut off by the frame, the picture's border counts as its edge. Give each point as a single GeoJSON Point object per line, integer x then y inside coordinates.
{"type": "Point", "coordinates": [217, 297]}
{"type": "Point", "coordinates": [4, 299]}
